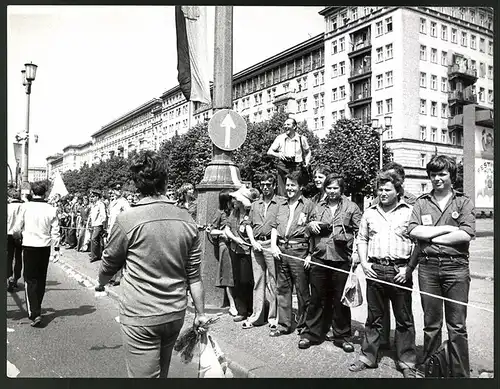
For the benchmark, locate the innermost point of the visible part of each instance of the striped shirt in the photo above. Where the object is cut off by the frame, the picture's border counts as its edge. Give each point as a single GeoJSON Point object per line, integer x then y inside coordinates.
{"type": "Point", "coordinates": [386, 233]}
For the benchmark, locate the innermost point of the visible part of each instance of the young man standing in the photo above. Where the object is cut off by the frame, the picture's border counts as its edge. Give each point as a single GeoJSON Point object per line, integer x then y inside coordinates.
{"type": "Point", "coordinates": [384, 249]}
{"type": "Point", "coordinates": [38, 225]}
{"type": "Point", "coordinates": [290, 235]}
{"type": "Point", "coordinates": [443, 222]}
{"type": "Point", "coordinates": [262, 215]}
{"type": "Point", "coordinates": [97, 220]}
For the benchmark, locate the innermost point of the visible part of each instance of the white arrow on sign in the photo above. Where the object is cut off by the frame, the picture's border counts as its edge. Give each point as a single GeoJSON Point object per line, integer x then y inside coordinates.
{"type": "Point", "coordinates": [228, 124]}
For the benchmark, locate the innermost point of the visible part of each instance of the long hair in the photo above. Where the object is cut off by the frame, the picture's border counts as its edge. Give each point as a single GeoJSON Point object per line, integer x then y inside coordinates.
{"type": "Point", "coordinates": [149, 173]}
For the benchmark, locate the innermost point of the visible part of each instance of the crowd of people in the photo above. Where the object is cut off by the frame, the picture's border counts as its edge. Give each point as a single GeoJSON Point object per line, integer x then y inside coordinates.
{"type": "Point", "coordinates": [269, 241]}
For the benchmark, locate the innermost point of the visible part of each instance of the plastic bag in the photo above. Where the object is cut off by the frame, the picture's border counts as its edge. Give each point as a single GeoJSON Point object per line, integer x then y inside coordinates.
{"type": "Point", "coordinates": [213, 363]}
{"type": "Point", "coordinates": [352, 296]}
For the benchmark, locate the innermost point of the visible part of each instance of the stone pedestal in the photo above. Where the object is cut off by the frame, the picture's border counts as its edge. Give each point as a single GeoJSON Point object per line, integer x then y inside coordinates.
{"type": "Point", "coordinates": [220, 174]}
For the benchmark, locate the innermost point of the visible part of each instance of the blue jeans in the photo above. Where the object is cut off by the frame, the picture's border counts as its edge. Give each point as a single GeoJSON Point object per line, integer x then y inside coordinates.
{"type": "Point", "coordinates": [448, 278]}
{"type": "Point", "coordinates": [404, 339]}
{"type": "Point", "coordinates": [148, 349]}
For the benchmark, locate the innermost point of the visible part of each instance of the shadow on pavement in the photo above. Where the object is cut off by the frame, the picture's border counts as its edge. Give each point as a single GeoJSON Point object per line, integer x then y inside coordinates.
{"type": "Point", "coordinates": [103, 347]}
{"type": "Point", "coordinates": [52, 313]}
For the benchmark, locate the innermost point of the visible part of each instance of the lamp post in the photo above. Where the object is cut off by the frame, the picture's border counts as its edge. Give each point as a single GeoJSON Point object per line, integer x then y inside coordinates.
{"type": "Point", "coordinates": [383, 128]}
{"type": "Point", "coordinates": [29, 74]}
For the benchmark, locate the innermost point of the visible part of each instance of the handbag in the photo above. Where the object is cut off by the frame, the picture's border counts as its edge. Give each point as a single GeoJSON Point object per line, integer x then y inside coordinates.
{"type": "Point", "coordinates": [438, 364]}
{"type": "Point", "coordinates": [352, 296]}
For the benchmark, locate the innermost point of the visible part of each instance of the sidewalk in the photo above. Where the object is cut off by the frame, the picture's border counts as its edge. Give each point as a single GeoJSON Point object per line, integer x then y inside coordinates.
{"type": "Point", "coordinates": [253, 354]}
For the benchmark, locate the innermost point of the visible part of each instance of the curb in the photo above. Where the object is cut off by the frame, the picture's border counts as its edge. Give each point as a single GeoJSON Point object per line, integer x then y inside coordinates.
{"type": "Point", "coordinates": [481, 277]}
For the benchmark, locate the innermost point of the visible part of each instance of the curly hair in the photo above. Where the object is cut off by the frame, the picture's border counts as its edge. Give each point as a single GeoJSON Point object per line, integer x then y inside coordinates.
{"type": "Point", "coordinates": [181, 192]}
{"type": "Point", "coordinates": [149, 173]}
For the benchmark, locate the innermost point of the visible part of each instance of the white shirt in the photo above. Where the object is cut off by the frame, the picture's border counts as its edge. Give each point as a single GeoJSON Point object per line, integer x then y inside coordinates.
{"type": "Point", "coordinates": [37, 220]}
{"type": "Point", "coordinates": [12, 215]}
{"type": "Point", "coordinates": [290, 147]}
{"type": "Point", "coordinates": [97, 215]}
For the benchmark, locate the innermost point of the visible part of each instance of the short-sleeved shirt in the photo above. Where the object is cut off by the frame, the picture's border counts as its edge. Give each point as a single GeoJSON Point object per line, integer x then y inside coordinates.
{"type": "Point", "coordinates": [386, 233]}
{"type": "Point", "coordinates": [458, 212]}
{"type": "Point", "coordinates": [291, 147]}
{"type": "Point", "coordinates": [301, 216]}
{"type": "Point", "coordinates": [262, 216]}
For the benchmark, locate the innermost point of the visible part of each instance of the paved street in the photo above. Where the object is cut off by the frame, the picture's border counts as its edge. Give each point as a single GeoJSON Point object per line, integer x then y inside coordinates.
{"type": "Point", "coordinates": [79, 338]}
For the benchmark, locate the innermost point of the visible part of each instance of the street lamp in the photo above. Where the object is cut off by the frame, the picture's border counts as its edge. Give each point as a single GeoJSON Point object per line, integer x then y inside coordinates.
{"type": "Point", "coordinates": [387, 126]}
{"type": "Point", "coordinates": [28, 74]}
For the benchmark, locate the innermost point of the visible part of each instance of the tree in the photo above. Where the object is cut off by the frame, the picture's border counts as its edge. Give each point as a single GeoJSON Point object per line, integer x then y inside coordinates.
{"type": "Point", "coordinates": [351, 149]}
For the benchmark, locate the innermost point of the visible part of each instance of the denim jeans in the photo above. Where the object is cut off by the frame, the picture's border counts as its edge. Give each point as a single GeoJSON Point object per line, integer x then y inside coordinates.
{"type": "Point", "coordinates": [95, 243]}
{"type": "Point", "coordinates": [325, 308]}
{"type": "Point", "coordinates": [290, 272]}
{"type": "Point", "coordinates": [448, 278]}
{"type": "Point", "coordinates": [404, 338]}
{"type": "Point", "coordinates": [148, 349]}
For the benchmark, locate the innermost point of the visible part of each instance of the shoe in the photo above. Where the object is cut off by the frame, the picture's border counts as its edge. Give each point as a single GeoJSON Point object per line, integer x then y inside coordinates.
{"type": "Point", "coordinates": [330, 337]}
{"type": "Point", "coordinates": [278, 332]}
{"type": "Point", "coordinates": [344, 345]}
{"type": "Point", "coordinates": [408, 373]}
{"type": "Point", "coordinates": [304, 343]}
{"type": "Point", "coordinates": [360, 366]}
{"type": "Point", "coordinates": [246, 325]}
{"type": "Point", "coordinates": [238, 318]}
{"type": "Point", "coordinates": [233, 313]}
{"type": "Point", "coordinates": [36, 321]}
{"type": "Point", "coordinates": [99, 288]}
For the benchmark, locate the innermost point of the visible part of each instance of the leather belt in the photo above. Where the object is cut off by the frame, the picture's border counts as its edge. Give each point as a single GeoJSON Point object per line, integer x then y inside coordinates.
{"type": "Point", "coordinates": [441, 257]}
{"type": "Point", "coordinates": [388, 261]}
{"type": "Point", "coordinates": [290, 244]}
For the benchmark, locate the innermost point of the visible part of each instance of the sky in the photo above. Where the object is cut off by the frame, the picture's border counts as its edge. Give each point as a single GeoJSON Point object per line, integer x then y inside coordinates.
{"type": "Point", "coordinates": [96, 63]}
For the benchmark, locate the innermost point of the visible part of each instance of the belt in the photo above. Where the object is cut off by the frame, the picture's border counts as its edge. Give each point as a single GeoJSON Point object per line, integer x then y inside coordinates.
{"type": "Point", "coordinates": [292, 243]}
{"type": "Point", "coordinates": [444, 257]}
{"type": "Point", "coordinates": [264, 238]}
{"type": "Point", "coordinates": [387, 261]}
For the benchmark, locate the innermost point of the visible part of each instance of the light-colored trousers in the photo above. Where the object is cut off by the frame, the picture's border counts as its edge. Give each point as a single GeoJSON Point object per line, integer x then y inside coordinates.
{"type": "Point", "coordinates": [264, 281]}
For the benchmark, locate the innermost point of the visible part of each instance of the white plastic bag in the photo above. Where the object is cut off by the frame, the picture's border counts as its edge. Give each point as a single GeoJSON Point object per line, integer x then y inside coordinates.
{"type": "Point", "coordinates": [213, 363]}
{"type": "Point", "coordinates": [352, 296]}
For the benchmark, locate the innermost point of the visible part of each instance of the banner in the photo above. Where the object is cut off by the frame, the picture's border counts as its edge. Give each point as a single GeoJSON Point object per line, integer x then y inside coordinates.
{"type": "Point", "coordinates": [192, 53]}
{"type": "Point", "coordinates": [58, 186]}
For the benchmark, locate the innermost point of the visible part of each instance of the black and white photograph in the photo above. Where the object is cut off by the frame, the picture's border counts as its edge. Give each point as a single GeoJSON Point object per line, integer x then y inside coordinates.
{"type": "Point", "coordinates": [231, 191]}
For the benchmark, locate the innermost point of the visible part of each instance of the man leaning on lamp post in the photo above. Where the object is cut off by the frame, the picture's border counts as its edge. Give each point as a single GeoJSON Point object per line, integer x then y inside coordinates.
{"type": "Point", "coordinates": [292, 150]}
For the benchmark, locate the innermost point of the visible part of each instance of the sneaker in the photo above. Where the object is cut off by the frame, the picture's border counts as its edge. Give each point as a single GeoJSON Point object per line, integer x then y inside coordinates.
{"type": "Point", "coordinates": [99, 288]}
{"type": "Point", "coordinates": [36, 321]}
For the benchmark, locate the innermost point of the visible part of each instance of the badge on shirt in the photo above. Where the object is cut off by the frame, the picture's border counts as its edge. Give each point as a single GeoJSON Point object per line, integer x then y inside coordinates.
{"type": "Point", "coordinates": [242, 228]}
{"type": "Point", "coordinates": [427, 220]}
{"type": "Point", "coordinates": [302, 219]}
{"type": "Point", "coordinates": [455, 215]}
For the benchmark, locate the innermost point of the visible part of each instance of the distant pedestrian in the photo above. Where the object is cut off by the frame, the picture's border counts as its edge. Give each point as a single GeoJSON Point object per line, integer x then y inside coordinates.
{"type": "Point", "coordinates": [83, 230]}
{"type": "Point", "coordinates": [187, 199]}
{"type": "Point", "coordinates": [14, 248]}
{"type": "Point", "coordinates": [444, 222]}
{"type": "Point", "coordinates": [160, 244]}
{"type": "Point", "coordinates": [97, 221]}
{"type": "Point", "coordinates": [38, 226]}
{"type": "Point", "coordinates": [292, 150]}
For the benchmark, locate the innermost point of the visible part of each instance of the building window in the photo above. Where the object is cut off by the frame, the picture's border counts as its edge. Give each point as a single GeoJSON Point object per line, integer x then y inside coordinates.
{"type": "Point", "coordinates": [481, 94]}
{"type": "Point", "coordinates": [342, 92]}
{"type": "Point", "coordinates": [444, 32]}
{"type": "Point", "coordinates": [423, 106]}
{"type": "Point", "coordinates": [342, 114]}
{"type": "Point", "coordinates": [380, 28]}
{"type": "Point", "coordinates": [305, 104]}
{"type": "Point", "coordinates": [482, 69]}
{"type": "Point", "coordinates": [316, 79]}
{"type": "Point", "coordinates": [490, 47]}
{"type": "Point", "coordinates": [380, 54]}
{"type": "Point", "coordinates": [315, 123]}
{"type": "Point", "coordinates": [342, 68]}
{"type": "Point", "coordinates": [444, 136]}
{"type": "Point", "coordinates": [463, 39]}
{"type": "Point", "coordinates": [299, 105]}
{"type": "Point", "coordinates": [490, 96]}
{"type": "Point", "coordinates": [388, 79]}
{"type": "Point", "coordinates": [433, 134]}
{"type": "Point", "coordinates": [423, 53]}
{"type": "Point", "coordinates": [335, 70]}
{"type": "Point", "coordinates": [434, 55]}
{"type": "Point", "coordinates": [423, 26]}
{"type": "Point", "coordinates": [434, 29]}
{"type": "Point", "coordinates": [453, 35]}
{"type": "Point", "coordinates": [444, 84]}
{"type": "Point", "coordinates": [305, 83]}
{"type": "Point", "coordinates": [316, 101]}
{"type": "Point", "coordinates": [422, 160]}
{"type": "Point", "coordinates": [322, 121]}
{"type": "Point", "coordinates": [444, 58]}
{"type": "Point", "coordinates": [380, 81]}
{"type": "Point", "coordinates": [322, 77]}
{"type": "Point", "coordinates": [434, 108]}
{"type": "Point", "coordinates": [473, 64]}
{"type": "Point", "coordinates": [334, 116]}
{"type": "Point", "coordinates": [423, 133]}
{"type": "Point", "coordinates": [472, 16]}
{"type": "Point", "coordinates": [453, 138]}
{"type": "Point", "coordinates": [473, 42]}
{"type": "Point", "coordinates": [388, 51]}
{"type": "Point", "coordinates": [444, 110]}
{"type": "Point", "coordinates": [482, 44]}
{"type": "Point", "coordinates": [388, 105]}
{"type": "Point", "coordinates": [334, 47]}
{"type": "Point", "coordinates": [423, 80]}
{"type": "Point", "coordinates": [380, 107]}
{"type": "Point", "coordinates": [388, 24]}
{"type": "Point", "coordinates": [354, 13]}
{"type": "Point", "coordinates": [434, 82]}
{"type": "Point", "coordinates": [341, 44]}
{"type": "Point", "coordinates": [423, 188]}
{"type": "Point", "coordinates": [321, 99]}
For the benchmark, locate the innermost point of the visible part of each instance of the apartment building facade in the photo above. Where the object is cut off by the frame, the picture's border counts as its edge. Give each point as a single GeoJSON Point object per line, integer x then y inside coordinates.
{"type": "Point", "coordinates": [412, 67]}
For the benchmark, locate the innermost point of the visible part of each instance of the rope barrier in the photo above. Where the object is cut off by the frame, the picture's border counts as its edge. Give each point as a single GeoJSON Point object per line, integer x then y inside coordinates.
{"type": "Point", "coordinates": [392, 284]}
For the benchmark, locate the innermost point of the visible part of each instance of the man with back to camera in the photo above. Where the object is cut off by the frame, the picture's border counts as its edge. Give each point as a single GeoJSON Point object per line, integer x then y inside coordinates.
{"type": "Point", "coordinates": [292, 149]}
{"type": "Point", "coordinates": [444, 222]}
{"type": "Point", "coordinates": [38, 226]}
{"type": "Point", "coordinates": [160, 244]}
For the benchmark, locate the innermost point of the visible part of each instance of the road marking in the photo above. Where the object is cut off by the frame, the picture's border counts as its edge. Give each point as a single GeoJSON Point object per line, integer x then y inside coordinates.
{"type": "Point", "coordinates": [12, 370]}
{"type": "Point", "coordinates": [10, 329]}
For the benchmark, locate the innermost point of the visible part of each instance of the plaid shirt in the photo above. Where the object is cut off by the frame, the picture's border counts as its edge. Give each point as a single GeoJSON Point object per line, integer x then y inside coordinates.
{"type": "Point", "coordinates": [386, 233]}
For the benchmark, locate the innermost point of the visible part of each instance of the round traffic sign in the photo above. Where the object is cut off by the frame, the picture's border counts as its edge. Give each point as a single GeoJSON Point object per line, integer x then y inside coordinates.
{"type": "Point", "coordinates": [227, 129]}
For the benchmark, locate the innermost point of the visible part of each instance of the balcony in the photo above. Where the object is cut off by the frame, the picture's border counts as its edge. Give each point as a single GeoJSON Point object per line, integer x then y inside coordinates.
{"type": "Point", "coordinates": [360, 47]}
{"type": "Point", "coordinates": [456, 122]}
{"type": "Point", "coordinates": [463, 72]}
{"type": "Point", "coordinates": [360, 72]}
{"type": "Point", "coordinates": [359, 98]}
{"type": "Point", "coordinates": [365, 119]}
{"type": "Point", "coordinates": [462, 97]}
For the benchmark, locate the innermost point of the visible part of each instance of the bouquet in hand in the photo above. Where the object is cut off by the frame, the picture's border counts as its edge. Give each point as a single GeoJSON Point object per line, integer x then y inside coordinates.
{"type": "Point", "coordinates": [188, 339]}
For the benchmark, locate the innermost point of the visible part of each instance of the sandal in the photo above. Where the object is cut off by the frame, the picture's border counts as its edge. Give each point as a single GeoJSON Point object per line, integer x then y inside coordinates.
{"type": "Point", "coordinates": [278, 332]}
{"type": "Point", "coordinates": [359, 366]}
{"type": "Point", "coordinates": [246, 325]}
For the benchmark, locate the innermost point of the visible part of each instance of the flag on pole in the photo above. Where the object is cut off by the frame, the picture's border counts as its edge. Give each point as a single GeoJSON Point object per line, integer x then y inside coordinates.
{"type": "Point", "coordinates": [58, 186]}
{"type": "Point", "coordinates": [192, 52]}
